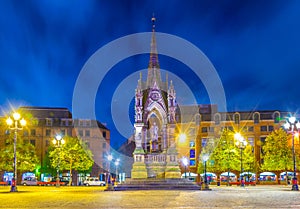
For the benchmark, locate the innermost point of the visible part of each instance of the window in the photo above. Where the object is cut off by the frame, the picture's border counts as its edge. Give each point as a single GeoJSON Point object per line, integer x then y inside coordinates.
{"type": "Point", "coordinates": [192, 153]}
{"type": "Point", "coordinates": [263, 128]}
{"type": "Point", "coordinates": [104, 134]}
{"type": "Point", "coordinates": [217, 119]}
{"type": "Point", "coordinates": [81, 123]}
{"type": "Point", "coordinates": [197, 120]}
{"type": "Point", "coordinates": [88, 123]}
{"type": "Point", "coordinates": [63, 122]}
{"type": "Point", "coordinates": [25, 133]}
{"type": "Point", "coordinates": [192, 162]}
{"type": "Point", "coordinates": [211, 129]}
{"type": "Point", "coordinates": [256, 118]}
{"type": "Point", "coordinates": [276, 117]}
{"type": "Point", "coordinates": [87, 133]}
{"type": "Point", "coordinates": [204, 142]}
{"type": "Point", "coordinates": [47, 143]}
{"type": "Point", "coordinates": [70, 122]}
{"type": "Point", "coordinates": [250, 128]}
{"type": "Point", "coordinates": [251, 141]}
{"type": "Point", "coordinates": [80, 132]}
{"type": "Point", "coordinates": [230, 128]}
{"type": "Point", "coordinates": [263, 140]}
{"type": "Point", "coordinates": [192, 144]}
{"type": "Point", "coordinates": [32, 132]}
{"type": "Point", "coordinates": [236, 118]}
{"type": "Point", "coordinates": [204, 129]}
{"type": "Point", "coordinates": [104, 145]}
{"type": "Point", "coordinates": [271, 128]}
{"type": "Point", "coordinates": [32, 141]}
{"type": "Point", "coordinates": [48, 132]}
{"type": "Point", "coordinates": [63, 132]}
{"type": "Point", "coordinates": [48, 122]}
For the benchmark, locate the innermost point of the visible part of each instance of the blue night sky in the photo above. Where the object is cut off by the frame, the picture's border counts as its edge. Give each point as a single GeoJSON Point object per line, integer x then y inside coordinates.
{"type": "Point", "coordinates": [254, 46]}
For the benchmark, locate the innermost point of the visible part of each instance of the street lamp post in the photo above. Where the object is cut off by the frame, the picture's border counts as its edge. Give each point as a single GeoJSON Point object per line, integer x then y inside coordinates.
{"type": "Point", "coordinates": [58, 141]}
{"type": "Point", "coordinates": [291, 126]}
{"type": "Point", "coordinates": [205, 158]}
{"type": "Point", "coordinates": [109, 183]}
{"type": "Point", "coordinates": [241, 144]}
{"type": "Point", "coordinates": [116, 165]}
{"type": "Point", "coordinates": [185, 163]}
{"type": "Point", "coordinates": [15, 124]}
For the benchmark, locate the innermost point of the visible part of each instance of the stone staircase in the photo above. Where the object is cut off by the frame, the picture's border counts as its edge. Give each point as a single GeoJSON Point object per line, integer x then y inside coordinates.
{"type": "Point", "coordinates": [157, 184]}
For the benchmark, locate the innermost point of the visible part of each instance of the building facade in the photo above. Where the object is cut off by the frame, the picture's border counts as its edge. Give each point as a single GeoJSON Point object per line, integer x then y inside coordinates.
{"type": "Point", "coordinates": [46, 123]}
{"type": "Point", "coordinates": [206, 123]}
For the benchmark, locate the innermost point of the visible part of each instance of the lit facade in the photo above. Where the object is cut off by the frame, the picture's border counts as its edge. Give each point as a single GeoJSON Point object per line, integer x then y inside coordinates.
{"type": "Point", "coordinates": [46, 123]}
{"type": "Point", "coordinates": [207, 123]}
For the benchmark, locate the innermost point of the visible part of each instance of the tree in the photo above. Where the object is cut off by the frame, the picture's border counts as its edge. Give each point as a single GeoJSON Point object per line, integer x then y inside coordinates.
{"type": "Point", "coordinates": [223, 154]}
{"type": "Point", "coordinates": [73, 155]}
{"type": "Point", "coordinates": [27, 159]}
{"type": "Point", "coordinates": [277, 153]}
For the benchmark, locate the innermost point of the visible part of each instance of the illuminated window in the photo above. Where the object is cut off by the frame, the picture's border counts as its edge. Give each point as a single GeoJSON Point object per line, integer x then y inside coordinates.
{"type": "Point", "coordinates": [192, 162]}
{"type": "Point", "coordinates": [192, 144]}
{"type": "Point", "coordinates": [204, 142]}
{"type": "Point", "coordinates": [192, 153]}
{"type": "Point", "coordinates": [251, 141]}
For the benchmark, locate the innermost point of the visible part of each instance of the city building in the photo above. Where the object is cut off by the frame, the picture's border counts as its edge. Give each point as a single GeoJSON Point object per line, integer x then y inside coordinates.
{"type": "Point", "coordinates": [47, 122]}
{"type": "Point", "coordinates": [206, 123]}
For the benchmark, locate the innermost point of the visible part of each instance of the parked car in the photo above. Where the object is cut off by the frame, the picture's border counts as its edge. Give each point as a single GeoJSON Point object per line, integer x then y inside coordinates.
{"type": "Point", "coordinates": [29, 181]}
{"type": "Point", "coordinates": [93, 181]}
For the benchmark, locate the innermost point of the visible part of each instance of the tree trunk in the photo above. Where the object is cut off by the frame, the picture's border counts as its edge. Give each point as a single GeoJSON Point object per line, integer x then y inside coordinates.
{"type": "Point", "coordinates": [70, 181]}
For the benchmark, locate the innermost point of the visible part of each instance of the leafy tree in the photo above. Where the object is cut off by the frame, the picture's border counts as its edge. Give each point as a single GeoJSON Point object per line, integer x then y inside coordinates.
{"type": "Point", "coordinates": [27, 159]}
{"type": "Point", "coordinates": [73, 155]}
{"type": "Point", "coordinates": [277, 153]}
{"type": "Point", "coordinates": [225, 156]}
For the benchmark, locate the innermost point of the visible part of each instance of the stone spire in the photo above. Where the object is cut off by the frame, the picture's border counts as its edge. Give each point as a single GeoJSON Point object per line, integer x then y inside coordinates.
{"type": "Point", "coordinates": [153, 67]}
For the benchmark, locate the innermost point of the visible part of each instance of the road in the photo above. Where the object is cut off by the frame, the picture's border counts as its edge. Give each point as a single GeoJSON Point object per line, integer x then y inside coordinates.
{"type": "Point", "coordinates": [96, 197]}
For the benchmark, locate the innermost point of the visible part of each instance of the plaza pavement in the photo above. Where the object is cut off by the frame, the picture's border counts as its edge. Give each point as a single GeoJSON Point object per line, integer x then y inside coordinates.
{"type": "Point", "coordinates": [95, 197]}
